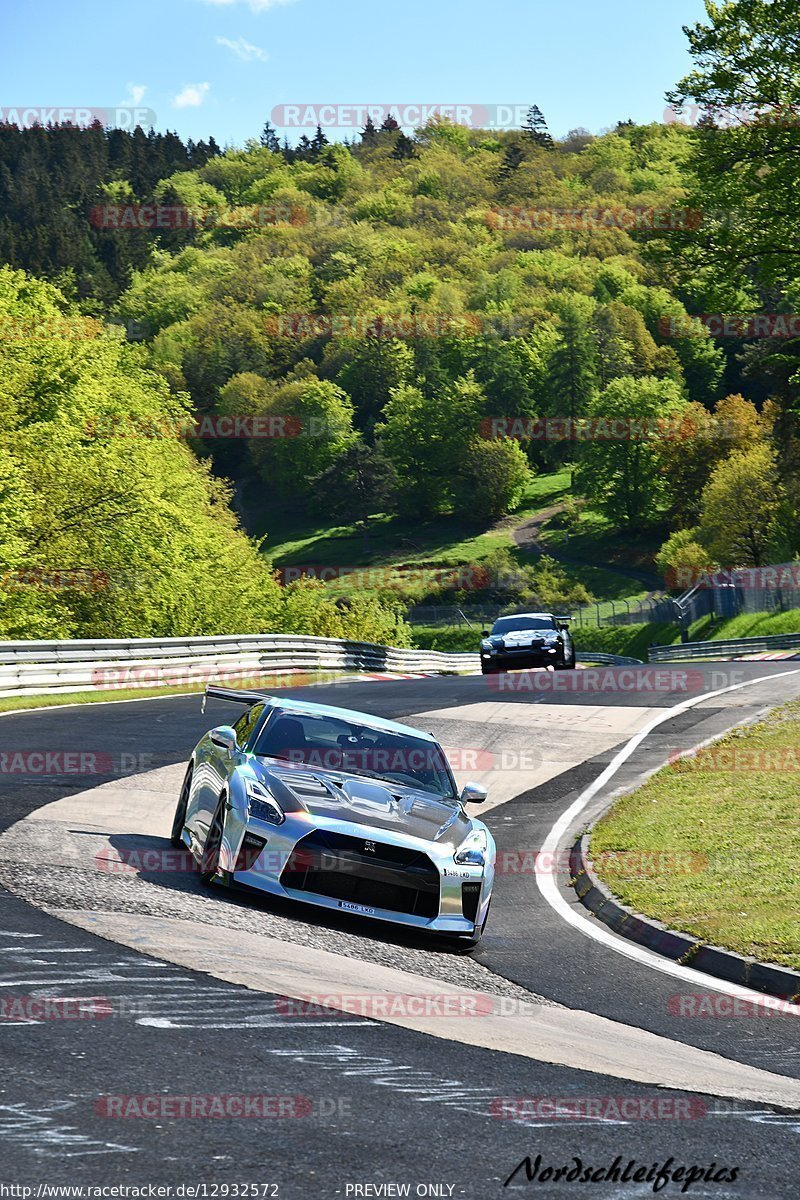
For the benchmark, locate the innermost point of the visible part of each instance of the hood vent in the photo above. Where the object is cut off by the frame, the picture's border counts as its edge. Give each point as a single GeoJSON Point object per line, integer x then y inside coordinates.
{"type": "Point", "coordinates": [305, 785]}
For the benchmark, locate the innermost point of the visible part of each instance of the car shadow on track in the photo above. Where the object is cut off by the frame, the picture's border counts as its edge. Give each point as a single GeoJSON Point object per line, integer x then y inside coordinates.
{"type": "Point", "coordinates": [154, 861]}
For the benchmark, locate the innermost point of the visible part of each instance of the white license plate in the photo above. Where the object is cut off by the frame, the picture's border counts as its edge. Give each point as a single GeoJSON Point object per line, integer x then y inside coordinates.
{"type": "Point", "coordinates": [357, 908]}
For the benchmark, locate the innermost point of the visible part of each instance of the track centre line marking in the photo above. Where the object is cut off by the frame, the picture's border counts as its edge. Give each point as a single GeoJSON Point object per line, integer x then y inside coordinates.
{"type": "Point", "coordinates": [549, 888]}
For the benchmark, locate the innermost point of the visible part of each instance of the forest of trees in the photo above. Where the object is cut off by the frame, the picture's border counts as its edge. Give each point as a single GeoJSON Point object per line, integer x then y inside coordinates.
{"type": "Point", "coordinates": [434, 319]}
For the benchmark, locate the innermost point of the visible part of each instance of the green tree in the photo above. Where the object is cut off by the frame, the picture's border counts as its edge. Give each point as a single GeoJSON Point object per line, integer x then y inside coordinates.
{"type": "Point", "coordinates": [377, 367]}
{"type": "Point", "coordinates": [270, 140]}
{"type": "Point", "coordinates": [535, 127]}
{"type": "Point", "coordinates": [572, 370]}
{"type": "Point", "coordinates": [493, 478]}
{"type": "Point", "coordinates": [427, 438]}
{"type": "Point", "coordinates": [361, 483]}
{"type": "Point", "coordinates": [746, 83]}
{"type": "Point", "coordinates": [683, 559]}
{"type": "Point", "coordinates": [741, 507]}
{"type": "Point", "coordinates": [309, 425]}
{"type": "Point", "coordinates": [618, 467]}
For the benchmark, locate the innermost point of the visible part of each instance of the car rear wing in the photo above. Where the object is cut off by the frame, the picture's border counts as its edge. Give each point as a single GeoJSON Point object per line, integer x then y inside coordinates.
{"type": "Point", "coordinates": [563, 622]}
{"type": "Point", "coordinates": [220, 693]}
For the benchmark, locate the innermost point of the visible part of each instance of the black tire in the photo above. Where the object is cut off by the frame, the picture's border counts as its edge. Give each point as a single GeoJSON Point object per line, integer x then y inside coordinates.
{"type": "Point", "coordinates": [209, 860]}
{"type": "Point", "coordinates": [569, 665]}
{"type": "Point", "coordinates": [180, 812]}
{"type": "Point", "coordinates": [487, 670]}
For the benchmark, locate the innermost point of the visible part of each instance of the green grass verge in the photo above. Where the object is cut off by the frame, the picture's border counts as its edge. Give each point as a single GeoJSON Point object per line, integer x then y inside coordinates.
{"type": "Point", "coordinates": [298, 538]}
{"type": "Point", "coordinates": [631, 640]}
{"type": "Point", "coordinates": [594, 539]}
{"type": "Point", "coordinates": [746, 625]}
{"type": "Point", "coordinates": [735, 808]}
{"type": "Point", "coordinates": [451, 639]}
{"type": "Point", "coordinates": [258, 683]}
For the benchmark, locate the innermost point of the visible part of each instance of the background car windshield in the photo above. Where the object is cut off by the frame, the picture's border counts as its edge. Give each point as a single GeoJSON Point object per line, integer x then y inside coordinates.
{"type": "Point", "coordinates": [512, 624]}
{"type": "Point", "coordinates": [330, 744]}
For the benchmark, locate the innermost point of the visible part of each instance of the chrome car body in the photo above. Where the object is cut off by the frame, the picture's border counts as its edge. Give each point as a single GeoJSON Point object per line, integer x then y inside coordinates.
{"type": "Point", "coordinates": [295, 825]}
{"type": "Point", "coordinates": [527, 640]}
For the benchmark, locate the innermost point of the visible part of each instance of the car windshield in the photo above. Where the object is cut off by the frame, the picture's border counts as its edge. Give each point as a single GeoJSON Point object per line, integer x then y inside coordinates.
{"type": "Point", "coordinates": [514, 624]}
{"type": "Point", "coordinates": [334, 744]}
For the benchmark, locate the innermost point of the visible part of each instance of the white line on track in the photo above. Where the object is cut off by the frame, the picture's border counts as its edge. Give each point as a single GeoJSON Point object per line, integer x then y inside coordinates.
{"type": "Point", "coordinates": [592, 928]}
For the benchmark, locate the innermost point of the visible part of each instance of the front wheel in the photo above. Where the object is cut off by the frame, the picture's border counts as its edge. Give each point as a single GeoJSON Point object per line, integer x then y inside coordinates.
{"type": "Point", "coordinates": [212, 850]}
{"type": "Point", "coordinates": [569, 665]}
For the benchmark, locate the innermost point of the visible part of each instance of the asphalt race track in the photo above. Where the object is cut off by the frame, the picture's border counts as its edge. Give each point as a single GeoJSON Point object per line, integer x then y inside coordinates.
{"type": "Point", "coordinates": [354, 1102]}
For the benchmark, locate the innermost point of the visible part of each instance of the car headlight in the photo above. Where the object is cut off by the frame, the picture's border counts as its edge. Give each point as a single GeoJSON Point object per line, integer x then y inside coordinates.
{"type": "Point", "coordinates": [487, 646]}
{"type": "Point", "coordinates": [473, 850]}
{"type": "Point", "coordinates": [262, 805]}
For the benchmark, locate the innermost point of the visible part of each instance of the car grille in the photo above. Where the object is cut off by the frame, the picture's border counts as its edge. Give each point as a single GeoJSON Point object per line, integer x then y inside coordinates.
{"type": "Point", "coordinates": [342, 868]}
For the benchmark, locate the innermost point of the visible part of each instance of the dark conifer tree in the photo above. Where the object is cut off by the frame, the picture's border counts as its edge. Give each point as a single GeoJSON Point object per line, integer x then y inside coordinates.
{"type": "Point", "coordinates": [404, 147]}
{"type": "Point", "coordinates": [269, 139]}
{"type": "Point", "coordinates": [369, 134]}
{"type": "Point", "coordinates": [535, 128]}
{"type": "Point", "coordinates": [318, 142]}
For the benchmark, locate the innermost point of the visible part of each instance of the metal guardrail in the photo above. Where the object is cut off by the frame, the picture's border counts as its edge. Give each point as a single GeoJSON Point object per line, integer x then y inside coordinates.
{"type": "Point", "coordinates": [47, 668]}
{"type": "Point", "coordinates": [609, 660]}
{"type": "Point", "coordinates": [733, 648]}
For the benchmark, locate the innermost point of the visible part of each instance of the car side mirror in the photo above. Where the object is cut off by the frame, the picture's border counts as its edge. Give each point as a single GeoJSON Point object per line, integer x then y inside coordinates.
{"type": "Point", "coordinates": [485, 633]}
{"type": "Point", "coordinates": [473, 793]}
{"type": "Point", "coordinates": [225, 738]}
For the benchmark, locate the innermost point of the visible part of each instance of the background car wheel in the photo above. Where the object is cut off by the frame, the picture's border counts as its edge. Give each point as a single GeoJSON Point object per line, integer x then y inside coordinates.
{"type": "Point", "coordinates": [209, 861]}
{"type": "Point", "coordinates": [180, 811]}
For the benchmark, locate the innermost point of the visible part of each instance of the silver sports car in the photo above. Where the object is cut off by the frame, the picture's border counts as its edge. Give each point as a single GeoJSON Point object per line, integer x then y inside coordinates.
{"type": "Point", "coordinates": [339, 809]}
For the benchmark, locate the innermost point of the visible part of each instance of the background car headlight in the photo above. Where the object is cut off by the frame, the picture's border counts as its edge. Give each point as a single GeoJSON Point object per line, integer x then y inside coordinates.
{"type": "Point", "coordinates": [262, 805]}
{"type": "Point", "coordinates": [473, 849]}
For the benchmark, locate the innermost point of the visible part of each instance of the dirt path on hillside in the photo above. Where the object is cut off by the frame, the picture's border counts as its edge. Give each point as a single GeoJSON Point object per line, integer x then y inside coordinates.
{"type": "Point", "coordinates": [528, 537]}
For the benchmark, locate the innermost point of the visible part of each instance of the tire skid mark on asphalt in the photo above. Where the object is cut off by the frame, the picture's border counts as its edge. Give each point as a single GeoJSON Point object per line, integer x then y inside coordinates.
{"type": "Point", "coordinates": [424, 1087]}
{"type": "Point", "coordinates": [190, 1005]}
{"type": "Point", "coordinates": [35, 1128]}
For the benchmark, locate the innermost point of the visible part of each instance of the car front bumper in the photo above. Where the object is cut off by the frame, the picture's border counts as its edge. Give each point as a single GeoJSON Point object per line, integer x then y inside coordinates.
{"type": "Point", "coordinates": [457, 905]}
